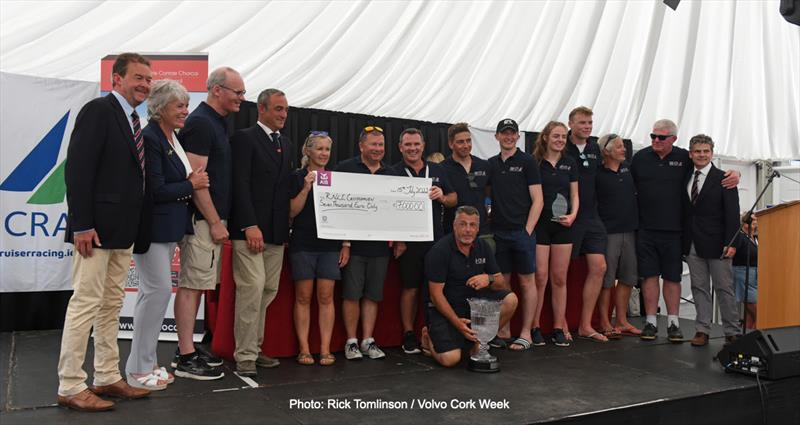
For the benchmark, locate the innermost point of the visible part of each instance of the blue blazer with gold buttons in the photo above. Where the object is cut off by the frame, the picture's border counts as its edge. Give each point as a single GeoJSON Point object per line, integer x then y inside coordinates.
{"type": "Point", "coordinates": [167, 186]}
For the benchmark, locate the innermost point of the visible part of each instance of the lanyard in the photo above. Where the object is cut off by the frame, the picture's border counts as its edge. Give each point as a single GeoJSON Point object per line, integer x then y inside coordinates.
{"type": "Point", "coordinates": [411, 175]}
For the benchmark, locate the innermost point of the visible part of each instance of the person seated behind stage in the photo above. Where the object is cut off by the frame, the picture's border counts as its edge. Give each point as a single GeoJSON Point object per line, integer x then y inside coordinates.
{"type": "Point", "coordinates": [617, 207]}
{"type": "Point", "coordinates": [740, 269]}
{"type": "Point", "coordinates": [711, 221]}
{"type": "Point", "coordinates": [460, 266]}
{"type": "Point", "coordinates": [312, 257]}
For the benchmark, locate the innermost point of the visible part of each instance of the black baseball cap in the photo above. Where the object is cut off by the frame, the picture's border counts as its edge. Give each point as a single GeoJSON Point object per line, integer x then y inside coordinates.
{"type": "Point", "coordinates": [506, 124]}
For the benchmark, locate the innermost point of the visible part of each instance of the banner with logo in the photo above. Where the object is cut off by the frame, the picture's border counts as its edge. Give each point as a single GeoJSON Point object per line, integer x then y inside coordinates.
{"type": "Point", "coordinates": [37, 116]}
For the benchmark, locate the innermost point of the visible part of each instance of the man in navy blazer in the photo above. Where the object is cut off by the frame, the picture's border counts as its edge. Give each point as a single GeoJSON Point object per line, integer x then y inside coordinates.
{"type": "Point", "coordinates": [263, 162]}
{"type": "Point", "coordinates": [711, 221]}
{"type": "Point", "coordinates": [104, 176]}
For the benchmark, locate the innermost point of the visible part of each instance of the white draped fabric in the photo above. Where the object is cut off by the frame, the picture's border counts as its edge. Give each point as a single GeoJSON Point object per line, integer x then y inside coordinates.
{"type": "Point", "coordinates": [730, 69]}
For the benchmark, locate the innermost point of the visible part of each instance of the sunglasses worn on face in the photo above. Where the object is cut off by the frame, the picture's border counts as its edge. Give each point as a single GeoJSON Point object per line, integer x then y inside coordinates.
{"type": "Point", "coordinates": [661, 137]}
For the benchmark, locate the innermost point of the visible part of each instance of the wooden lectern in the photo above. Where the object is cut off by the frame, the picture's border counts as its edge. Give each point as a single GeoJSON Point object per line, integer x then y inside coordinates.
{"type": "Point", "coordinates": [779, 266]}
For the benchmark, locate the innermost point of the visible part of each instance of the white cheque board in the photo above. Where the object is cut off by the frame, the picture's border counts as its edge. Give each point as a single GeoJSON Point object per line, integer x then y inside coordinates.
{"type": "Point", "coordinates": [364, 207]}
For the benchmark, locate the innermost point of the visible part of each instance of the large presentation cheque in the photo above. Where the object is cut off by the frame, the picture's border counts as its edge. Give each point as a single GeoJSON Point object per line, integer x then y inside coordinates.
{"type": "Point", "coordinates": [360, 207]}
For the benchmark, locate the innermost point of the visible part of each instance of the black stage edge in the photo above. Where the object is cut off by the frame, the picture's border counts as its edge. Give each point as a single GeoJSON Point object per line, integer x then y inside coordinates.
{"type": "Point", "coordinates": [625, 381]}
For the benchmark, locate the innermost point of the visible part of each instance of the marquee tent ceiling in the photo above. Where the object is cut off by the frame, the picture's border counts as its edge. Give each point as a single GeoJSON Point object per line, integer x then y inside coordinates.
{"type": "Point", "coordinates": [730, 69]}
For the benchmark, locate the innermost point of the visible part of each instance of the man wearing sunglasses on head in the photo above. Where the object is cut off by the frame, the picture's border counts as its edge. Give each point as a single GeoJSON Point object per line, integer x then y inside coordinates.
{"type": "Point", "coordinates": [588, 232]}
{"type": "Point", "coordinates": [364, 275]}
{"type": "Point", "coordinates": [659, 172]}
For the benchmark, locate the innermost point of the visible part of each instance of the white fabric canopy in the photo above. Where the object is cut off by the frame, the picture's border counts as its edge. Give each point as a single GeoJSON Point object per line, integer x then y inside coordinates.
{"type": "Point", "coordinates": [730, 69]}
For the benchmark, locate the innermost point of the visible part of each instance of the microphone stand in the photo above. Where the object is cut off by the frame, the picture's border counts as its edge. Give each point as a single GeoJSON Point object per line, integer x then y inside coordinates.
{"type": "Point", "coordinates": [748, 218]}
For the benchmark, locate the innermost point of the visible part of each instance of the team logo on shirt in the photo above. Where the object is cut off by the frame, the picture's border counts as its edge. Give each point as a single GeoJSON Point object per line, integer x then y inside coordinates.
{"type": "Point", "coordinates": [565, 167]}
{"type": "Point", "coordinates": [591, 156]}
{"type": "Point", "coordinates": [435, 179]}
{"type": "Point", "coordinates": [478, 173]}
{"type": "Point", "coordinates": [480, 260]}
{"type": "Point", "coordinates": [624, 170]}
{"type": "Point", "coordinates": [515, 169]}
{"type": "Point", "coordinates": [676, 163]}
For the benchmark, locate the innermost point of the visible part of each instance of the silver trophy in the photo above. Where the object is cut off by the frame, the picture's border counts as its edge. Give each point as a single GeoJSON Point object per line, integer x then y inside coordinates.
{"type": "Point", "coordinates": [560, 207]}
{"type": "Point", "coordinates": [484, 320]}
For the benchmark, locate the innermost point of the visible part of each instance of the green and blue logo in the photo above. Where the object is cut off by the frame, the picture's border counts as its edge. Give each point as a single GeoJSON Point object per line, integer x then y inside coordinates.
{"type": "Point", "coordinates": [35, 167]}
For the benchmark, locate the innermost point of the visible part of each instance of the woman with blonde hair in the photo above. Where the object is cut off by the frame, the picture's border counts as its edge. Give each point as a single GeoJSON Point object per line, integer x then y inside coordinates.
{"type": "Point", "coordinates": [313, 258]}
{"type": "Point", "coordinates": [553, 238]}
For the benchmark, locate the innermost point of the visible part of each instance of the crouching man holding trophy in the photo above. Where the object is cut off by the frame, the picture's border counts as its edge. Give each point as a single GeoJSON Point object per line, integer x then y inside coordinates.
{"type": "Point", "coordinates": [460, 267]}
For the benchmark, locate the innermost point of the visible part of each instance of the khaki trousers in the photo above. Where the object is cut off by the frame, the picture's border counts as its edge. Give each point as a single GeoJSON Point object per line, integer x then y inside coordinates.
{"type": "Point", "coordinates": [257, 276]}
{"type": "Point", "coordinates": [98, 283]}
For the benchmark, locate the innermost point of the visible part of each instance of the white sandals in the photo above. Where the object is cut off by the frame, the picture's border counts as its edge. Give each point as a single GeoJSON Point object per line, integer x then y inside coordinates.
{"type": "Point", "coordinates": [152, 381]}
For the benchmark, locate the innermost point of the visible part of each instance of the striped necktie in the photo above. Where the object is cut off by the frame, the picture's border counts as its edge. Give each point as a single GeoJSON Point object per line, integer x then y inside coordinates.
{"type": "Point", "coordinates": [694, 186]}
{"type": "Point", "coordinates": [138, 139]}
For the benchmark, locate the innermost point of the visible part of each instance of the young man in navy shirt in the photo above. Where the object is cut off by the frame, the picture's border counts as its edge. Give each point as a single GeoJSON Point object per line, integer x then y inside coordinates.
{"type": "Point", "coordinates": [517, 202]}
{"type": "Point", "coordinates": [458, 267]}
{"type": "Point", "coordinates": [468, 175]}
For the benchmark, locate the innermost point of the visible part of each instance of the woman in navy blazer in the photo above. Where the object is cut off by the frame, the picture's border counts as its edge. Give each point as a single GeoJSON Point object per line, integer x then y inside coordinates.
{"type": "Point", "coordinates": [169, 182]}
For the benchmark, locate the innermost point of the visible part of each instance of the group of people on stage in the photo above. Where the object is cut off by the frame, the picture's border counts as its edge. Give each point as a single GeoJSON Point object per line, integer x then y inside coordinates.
{"type": "Point", "coordinates": [180, 181]}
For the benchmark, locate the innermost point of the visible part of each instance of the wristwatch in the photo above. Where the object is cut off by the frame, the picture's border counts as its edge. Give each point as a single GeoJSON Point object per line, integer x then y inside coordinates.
{"type": "Point", "coordinates": [491, 278]}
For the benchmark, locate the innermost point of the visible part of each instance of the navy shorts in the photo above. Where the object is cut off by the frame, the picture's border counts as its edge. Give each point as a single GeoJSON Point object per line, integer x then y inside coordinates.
{"type": "Point", "coordinates": [588, 237]}
{"type": "Point", "coordinates": [411, 264]}
{"type": "Point", "coordinates": [307, 265]}
{"type": "Point", "coordinates": [516, 251]}
{"type": "Point", "coordinates": [658, 253]}
{"type": "Point", "coordinates": [444, 335]}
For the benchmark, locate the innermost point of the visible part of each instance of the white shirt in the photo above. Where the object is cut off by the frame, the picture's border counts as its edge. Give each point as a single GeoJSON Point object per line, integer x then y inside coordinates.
{"type": "Point", "coordinates": [127, 109]}
{"type": "Point", "coordinates": [700, 180]}
{"type": "Point", "coordinates": [266, 129]}
{"type": "Point", "coordinates": [176, 146]}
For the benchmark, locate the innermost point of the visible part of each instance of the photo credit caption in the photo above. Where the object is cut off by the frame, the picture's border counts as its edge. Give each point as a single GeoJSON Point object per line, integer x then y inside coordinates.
{"type": "Point", "coordinates": [414, 403]}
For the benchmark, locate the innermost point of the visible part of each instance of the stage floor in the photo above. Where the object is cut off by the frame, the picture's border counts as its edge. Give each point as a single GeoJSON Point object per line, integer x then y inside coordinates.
{"type": "Point", "coordinates": [584, 383]}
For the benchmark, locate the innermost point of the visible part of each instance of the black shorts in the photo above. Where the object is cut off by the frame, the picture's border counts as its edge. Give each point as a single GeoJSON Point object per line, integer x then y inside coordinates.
{"type": "Point", "coordinates": [515, 251]}
{"type": "Point", "coordinates": [444, 336]}
{"type": "Point", "coordinates": [411, 264]}
{"type": "Point", "coordinates": [658, 253]}
{"type": "Point", "coordinates": [588, 237]}
{"type": "Point", "coordinates": [549, 232]}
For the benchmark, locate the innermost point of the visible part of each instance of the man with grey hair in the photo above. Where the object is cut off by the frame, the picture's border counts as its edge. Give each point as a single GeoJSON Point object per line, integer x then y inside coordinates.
{"type": "Point", "coordinates": [205, 140]}
{"type": "Point", "coordinates": [711, 222]}
{"type": "Point", "coordinates": [658, 171]}
{"type": "Point", "coordinates": [259, 227]}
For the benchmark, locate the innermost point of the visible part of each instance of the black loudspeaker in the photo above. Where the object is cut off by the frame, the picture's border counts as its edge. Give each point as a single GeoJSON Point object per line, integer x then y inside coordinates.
{"type": "Point", "coordinates": [790, 9]}
{"type": "Point", "coordinates": [770, 353]}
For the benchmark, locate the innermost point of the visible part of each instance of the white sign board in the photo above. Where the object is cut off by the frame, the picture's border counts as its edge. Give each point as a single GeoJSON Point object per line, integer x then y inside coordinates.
{"type": "Point", "coordinates": [365, 207]}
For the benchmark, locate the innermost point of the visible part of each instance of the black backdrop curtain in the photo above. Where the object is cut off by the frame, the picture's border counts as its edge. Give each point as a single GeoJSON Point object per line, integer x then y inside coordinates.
{"type": "Point", "coordinates": [45, 310]}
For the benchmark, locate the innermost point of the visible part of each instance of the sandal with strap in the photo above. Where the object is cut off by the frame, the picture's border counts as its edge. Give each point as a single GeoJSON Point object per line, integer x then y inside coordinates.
{"type": "Point", "coordinates": [164, 375]}
{"type": "Point", "coordinates": [150, 381]}
{"type": "Point", "coordinates": [327, 359]}
{"type": "Point", "coordinates": [522, 342]}
{"type": "Point", "coordinates": [305, 359]}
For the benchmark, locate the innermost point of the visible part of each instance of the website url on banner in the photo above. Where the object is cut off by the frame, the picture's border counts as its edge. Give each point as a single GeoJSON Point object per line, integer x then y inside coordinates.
{"type": "Point", "coordinates": [57, 253]}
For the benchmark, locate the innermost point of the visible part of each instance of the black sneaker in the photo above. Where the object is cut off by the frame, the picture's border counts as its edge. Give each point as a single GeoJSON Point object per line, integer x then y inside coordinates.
{"type": "Point", "coordinates": [559, 339]}
{"type": "Point", "coordinates": [538, 338]}
{"type": "Point", "coordinates": [197, 368]}
{"type": "Point", "coordinates": [410, 344]}
{"type": "Point", "coordinates": [674, 333]}
{"type": "Point", "coordinates": [209, 358]}
{"type": "Point", "coordinates": [649, 332]}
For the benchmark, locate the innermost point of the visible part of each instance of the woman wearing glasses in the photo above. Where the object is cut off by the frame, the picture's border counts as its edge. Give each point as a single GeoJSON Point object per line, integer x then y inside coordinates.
{"type": "Point", "coordinates": [313, 258]}
{"type": "Point", "coordinates": [553, 238]}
